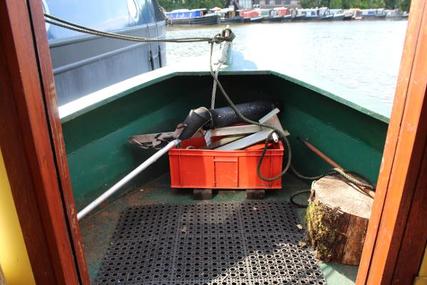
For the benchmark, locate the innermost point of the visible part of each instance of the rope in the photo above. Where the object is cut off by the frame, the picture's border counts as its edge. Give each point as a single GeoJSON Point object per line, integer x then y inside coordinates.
{"type": "Point", "coordinates": [214, 87]}
{"type": "Point", "coordinates": [353, 179]}
{"type": "Point", "coordinates": [279, 132]}
{"type": "Point", "coordinates": [219, 38]}
{"type": "Point", "coordinates": [296, 204]}
{"type": "Point", "coordinates": [82, 29]}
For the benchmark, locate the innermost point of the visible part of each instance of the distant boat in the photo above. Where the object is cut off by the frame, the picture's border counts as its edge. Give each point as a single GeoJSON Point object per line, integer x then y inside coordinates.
{"type": "Point", "coordinates": [348, 15]}
{"type": "Point", "coordinates": [328, 17]}
{"type": "Point", "coordinates": [337, 14]}
{"type": "Point", "coordinates": [228, 15]}
{"type": "Point", "coordinates": [311, 14]}
{"type": "Point", "coordinates": [373, 14]}
{"type": "Point", "coordinates": [252, 15]}
{"type": "Point", "coordinates": [298, 15]}
{"type": "Point", "coordinates": [275, 19]}
{"type": "Point", "coordinates": [191, 17]}
{"type": "Point", "coordinates": [395, 14]}
{"type": "Point", "coordinates": [287, 18]}
{"type": "Point", "coordinates": [235, 19]}
{"type": "Point", "coordinates": [357, 14]}
{"type": "Point", "coordinates": [278, 14]}
{"type": "Point", "coordinates": [324, 14]}
{"type": "Point", "coordinates": [257, 19]}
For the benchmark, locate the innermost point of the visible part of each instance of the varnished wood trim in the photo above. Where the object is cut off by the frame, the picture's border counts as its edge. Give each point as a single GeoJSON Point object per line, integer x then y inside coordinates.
{"type": "Point", "coordinates": [401, 161]}
{"type": "Point", "coordinates": [26, 143]}
{"type": "Point", "coordinates": [48, 88]}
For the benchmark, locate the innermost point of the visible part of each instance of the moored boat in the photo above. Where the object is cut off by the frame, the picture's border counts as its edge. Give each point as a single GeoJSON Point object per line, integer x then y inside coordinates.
{"type": "Point", "coordinates": [287, 18]}
{"type": "Point", "coordinates": [338, 14]}
{"type": "Point", "coordinates": [79, 61]}
{"type": "Point", "coordinates": [257, 19]}
{"type": "Point", "coordinates": [356, 14]}
{"type": "Point", "coordinates": [234, 19]}
{"type": "Point", "coordinates": [395, 14]}
{"type": "Point", "coordinates": [251, 15]}
{"type": "Point", "coordinates": [228, 15]}
{"type": "Point", "coordinates": [192, 17]}
{"type": "Point", "coordinates": [311, 14]}
{"type": "Point", "coordinates": [348, 15]}
{"type": "Point", "coordinates": [298, 14]}
{"type": "Point", "coordinates": [278, 14]}
{"type": "Point", "coordinates": [373, 14]}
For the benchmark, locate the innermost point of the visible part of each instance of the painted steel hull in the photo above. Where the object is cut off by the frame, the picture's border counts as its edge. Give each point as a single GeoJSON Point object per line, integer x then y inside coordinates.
{"type": "Point", "coordinates": [287, 18]}
{"type": "Point", "coordinates": [299, 18]}
{"type": "Point", "coordinates": [276, 19]}
{"type": "Point", "coordinates": [338, 18]}
{"type": "Point", "coordinates": [83, 64]}
{"type": "Point", "coordinates": [257, 19]}
{"type": "Point", "coordinates": [374, 17]}
{"type": "Point", "coordinates": [236, 19]}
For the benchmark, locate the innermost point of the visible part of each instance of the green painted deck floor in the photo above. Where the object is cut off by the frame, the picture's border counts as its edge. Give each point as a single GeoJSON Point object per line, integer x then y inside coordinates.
{"type": "Point", "coordinates": [97, 228]}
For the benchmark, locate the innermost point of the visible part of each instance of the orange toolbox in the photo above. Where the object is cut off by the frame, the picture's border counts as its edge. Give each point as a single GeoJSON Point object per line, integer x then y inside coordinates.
{"type": "Point", "coordinates": [192, 166]}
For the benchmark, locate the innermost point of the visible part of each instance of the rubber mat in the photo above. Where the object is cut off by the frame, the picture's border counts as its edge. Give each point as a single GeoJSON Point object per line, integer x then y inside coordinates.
{"type": "Point", "coordinates": [248, 243]}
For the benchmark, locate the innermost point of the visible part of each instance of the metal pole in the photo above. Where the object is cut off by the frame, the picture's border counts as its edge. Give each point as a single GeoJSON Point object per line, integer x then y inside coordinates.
{"type": "Point", "coordinates": [323, 156]}
{"type": "Point", "coordinates": [126, 179]}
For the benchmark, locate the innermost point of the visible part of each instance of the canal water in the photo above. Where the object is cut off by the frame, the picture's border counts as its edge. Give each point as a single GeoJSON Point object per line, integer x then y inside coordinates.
{"type": "Point", "coordinates": [362, 56]}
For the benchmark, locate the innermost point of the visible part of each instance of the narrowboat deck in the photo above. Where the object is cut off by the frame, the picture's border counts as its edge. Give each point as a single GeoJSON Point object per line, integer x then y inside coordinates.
{"type": "Point", "coordinates": [96, 132]}
{"type": "Point", "coordinates": [98, 229]}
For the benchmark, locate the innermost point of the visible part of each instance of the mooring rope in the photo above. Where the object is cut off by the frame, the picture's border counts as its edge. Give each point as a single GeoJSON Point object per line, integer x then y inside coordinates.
{"type": "Point", "coordinates": [226, 35]}
{"type": "Point", "coordinates": [279, 132]}
{"type": "Point", "coordinates": [219, 38]}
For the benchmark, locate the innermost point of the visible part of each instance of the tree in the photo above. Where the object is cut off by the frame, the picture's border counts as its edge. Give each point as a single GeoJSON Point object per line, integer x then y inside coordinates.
{"type": "Point", "coordinates": [309, 3]}
{"type": "Point", "coordinates": [404, 5]}
{"type": "Point", "coordinates": [335, 4]}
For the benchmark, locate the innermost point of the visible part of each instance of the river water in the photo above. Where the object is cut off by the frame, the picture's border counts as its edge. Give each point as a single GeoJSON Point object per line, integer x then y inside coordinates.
{"type": "Point", "coordinates": [363, 56]}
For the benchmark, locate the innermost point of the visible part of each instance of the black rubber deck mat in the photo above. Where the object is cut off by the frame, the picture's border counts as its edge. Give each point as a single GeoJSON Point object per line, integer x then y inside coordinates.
{"type": "Point", "coordinates": [248, 243]}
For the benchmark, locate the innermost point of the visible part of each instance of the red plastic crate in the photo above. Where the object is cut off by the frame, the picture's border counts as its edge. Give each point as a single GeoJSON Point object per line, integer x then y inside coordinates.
{"type": "Point", "coordinates": [218, 169]}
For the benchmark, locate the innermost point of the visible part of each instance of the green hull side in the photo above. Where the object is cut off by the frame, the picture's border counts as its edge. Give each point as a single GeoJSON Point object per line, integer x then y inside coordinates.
{"type": "Point", "coordinates": [99, 155]}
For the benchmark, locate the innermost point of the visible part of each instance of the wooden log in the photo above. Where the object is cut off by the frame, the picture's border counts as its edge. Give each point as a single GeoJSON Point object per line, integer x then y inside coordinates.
{"type": "Point", "coordinates": [337, 220]}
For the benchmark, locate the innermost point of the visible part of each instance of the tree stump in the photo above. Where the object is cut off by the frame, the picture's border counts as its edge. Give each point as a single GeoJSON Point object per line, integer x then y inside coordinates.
{"type": "Point", "coordinates": [337, 220]}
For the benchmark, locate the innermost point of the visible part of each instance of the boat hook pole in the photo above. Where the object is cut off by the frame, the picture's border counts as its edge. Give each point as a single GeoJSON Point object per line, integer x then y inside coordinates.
{"type": "Point", "coordinates": [86, 210]}
{"type": "Point", "coordinates": [225, 36]}
{"type": "Point", "coordinates": [356, 182]}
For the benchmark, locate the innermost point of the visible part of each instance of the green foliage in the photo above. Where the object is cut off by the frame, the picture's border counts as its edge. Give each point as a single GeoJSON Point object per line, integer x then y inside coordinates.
{"type": "Point", "coordinates": [335, 4]}
{"type": "Point", "coordinates": [309, 3]}
{"type": "Point", "coordinates": [404, 5]}
{"type": "Point", "coordinates": [347, 4]}
{"type": "Point", "coordinates": [169, 5]}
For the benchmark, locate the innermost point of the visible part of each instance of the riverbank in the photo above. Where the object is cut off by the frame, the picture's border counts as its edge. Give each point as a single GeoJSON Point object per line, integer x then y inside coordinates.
{"type": "Point", "coordinates": [278, 15]}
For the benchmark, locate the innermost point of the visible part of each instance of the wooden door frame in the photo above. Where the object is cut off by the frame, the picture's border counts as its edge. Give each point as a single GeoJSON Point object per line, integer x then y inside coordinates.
{"type": "Point", "coordinates": [397, 236]}
{"type": "Point", "coordinates": [33, 148]}
{"type": "Point", "coordinates": [34, 153]}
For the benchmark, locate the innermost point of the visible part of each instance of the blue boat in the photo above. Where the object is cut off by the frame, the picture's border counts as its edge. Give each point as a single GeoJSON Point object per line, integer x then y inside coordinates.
{"type": "Point", "coordinates": [192, 17]}
{"type": "Point", "coordinates": [83, 64]}
{"type": "Point", "coordinates": [373, 14]}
